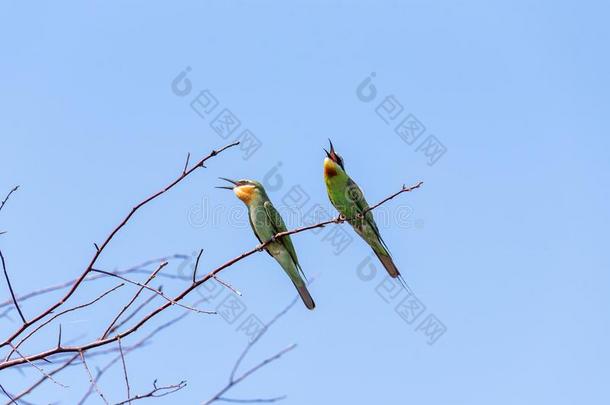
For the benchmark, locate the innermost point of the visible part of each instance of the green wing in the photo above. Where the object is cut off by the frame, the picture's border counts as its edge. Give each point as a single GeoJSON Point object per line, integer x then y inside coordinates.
{"type": "Point", "coordinates": [357, 196]}
{"type": "Point", "coordinates": [256, 234]}
{"type": "Point", "coordinates": [278, 225]}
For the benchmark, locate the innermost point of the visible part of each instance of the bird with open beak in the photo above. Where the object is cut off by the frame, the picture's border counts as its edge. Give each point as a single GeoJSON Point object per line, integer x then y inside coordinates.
{"type": "Point", "coordinates": [349, 200]}
{"type": "Point", "coordinates": [266, 222]}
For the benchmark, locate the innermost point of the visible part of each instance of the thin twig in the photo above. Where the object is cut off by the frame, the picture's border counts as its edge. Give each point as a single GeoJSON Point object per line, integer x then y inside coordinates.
{"type": "Point", "coordinates": [157, 392]}
{"type": "Point", "coordinates": [128, 350]}
{"type": "Point", "coordinates": [103, 370]}
{"type": "Point", "coordinates": [261, 334]}
{"type": "Point", "coordinates": [265, 362]}
{"type": "Point", "coordinates": [140, 268]}
{"type": "Point", "coordinates": [125, 370]}
{"type": "Point", "coordinates": [8, 395]}
{"type": "Point", "coordinates": [40, 370]}
{"type": "Point", "coordinates": [233, 380]}
{"type": "Point", "coordinates": [405, 189]}
{"type": "Point", "coordinates": [91, 380]}
{"type": "Point", "coordinates": [159, 293]}
{"type": "Point", "coordinates": [186, 164]}
{"type": "Point", "coordinates": [30, 389]}
{"type": "Point", "coordinates": [59, 338]}
{"type": "Point", "coordinates": [134, 312]}
{"type": "Point", "coordinates": [10, 287]}
{"type": "Point", "coordinates": [8, 196]}
{"type": "Point", "coordinates": [197, 266]}
{"type": "Point", "coordinates": [135, 297]}
{"type": "Point", "coordinates": [68, 362]}
{"type": "Point", "coordinates": [249, 373]}
{"type": "Point", "coordinates": [42, 325]}
{"type": "Point", "coordinates": [227, 285]}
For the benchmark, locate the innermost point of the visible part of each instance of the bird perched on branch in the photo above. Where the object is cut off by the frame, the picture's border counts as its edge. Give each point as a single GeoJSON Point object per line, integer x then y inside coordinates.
{"type": "Point", "coordinates": [266, 222]}
{"type": "Point", "coordinates": [349, 200]}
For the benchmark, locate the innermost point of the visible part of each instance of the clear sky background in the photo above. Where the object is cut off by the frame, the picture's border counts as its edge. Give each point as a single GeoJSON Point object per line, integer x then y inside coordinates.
{"type": "Point", "coordinates": [506, 244]}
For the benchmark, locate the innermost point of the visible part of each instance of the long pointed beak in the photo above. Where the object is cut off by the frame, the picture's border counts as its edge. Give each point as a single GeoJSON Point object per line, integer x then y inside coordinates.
{"type": "Point", "coordinates": [327, 153]}
{"type": "Point", "coordinates": [332, 148]}
{"type": "Point", "coordinates": [227, 187]}
{"type": "Point", "coordinates": [331, 155]}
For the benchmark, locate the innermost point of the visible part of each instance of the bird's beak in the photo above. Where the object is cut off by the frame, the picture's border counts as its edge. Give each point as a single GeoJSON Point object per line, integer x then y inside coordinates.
{"type": "Point", "coordinates": [331, 155]}
{"type": "Point", "coordinates": [227, 187]}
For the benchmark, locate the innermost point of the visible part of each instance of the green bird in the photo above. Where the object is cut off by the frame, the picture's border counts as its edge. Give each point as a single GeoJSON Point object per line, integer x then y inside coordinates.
{"type": "Point", "coordinates": [349, 200]}
{"type": "Point", "coordinates": [266, 222]}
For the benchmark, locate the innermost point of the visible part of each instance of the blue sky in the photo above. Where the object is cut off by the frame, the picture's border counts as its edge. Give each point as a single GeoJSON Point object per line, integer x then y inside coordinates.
{"type": "Point", "coordinates": [505, 244]}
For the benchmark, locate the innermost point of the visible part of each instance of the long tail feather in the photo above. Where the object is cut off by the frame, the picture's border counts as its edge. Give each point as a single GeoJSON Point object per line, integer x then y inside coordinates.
{"type": "Point", "coordinates": [388, 263]}
{"type": "Point", "coordinates": [305, 296]}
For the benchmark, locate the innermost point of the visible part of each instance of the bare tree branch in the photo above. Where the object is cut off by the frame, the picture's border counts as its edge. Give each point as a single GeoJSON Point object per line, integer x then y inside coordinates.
{"type": "Point", "coordinates": [233, 380]}
{"type": "Point", "coordinates": [59, 338]}
{"type": "Point", "coordinates": [91, 380]}
{"type": "Point", "coordinates": [38, 383]}
{"type": "Point", "coordinates": [69, 353]}
{"type": "Point", "coordinates": [42, 325]}
{"type": "Point", "coordinates": [125, 370]}
{"type": "Point", "coordinates": [404, 189]}
{"type": "Point", "coordinates": [135, 297]}
{"type": "Point", "coordinates": [170, 302]}
{"type": "Point", "coordinates": [134, 312]}
{"type": "Point", "coordinates": [249, 373]}
{"type": "Point", "coordinates": [197, 266]}
{"type": "Point", "coordinates": [75, 357]}
{"type": "Point", "coordinates": [227, 285]}
{"type": "Point", "coordinates": [160, 293]}
{"type": "Point", "coordinates": [140, 268]}
{"type": "Point", "coordinates": [8, 395]}
{"type": "Point", "coordinates": [186, 164]}
{"type": "Point", "coordinates": [130, 349]}
{"type": "Point", "coordinates": [10, 287]}
{"type": "Point", "coordinates": [8, 280]}
{"type": "Point", "coordinates": [31, 363]}
{"type": "Point", "coordinates": [157, 392]}
{"type": "Point", "coordinates": [8, 196]}
{"type": "Point", "coordinates": [107, 241]}
{"type": "Point", "coordinates": [261, 334]}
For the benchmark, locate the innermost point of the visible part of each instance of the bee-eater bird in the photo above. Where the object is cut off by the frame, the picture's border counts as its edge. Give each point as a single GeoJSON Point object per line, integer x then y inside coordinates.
{"type": "Point", "coordinates": [349, 200]}
{"type": "Point", "coordinates": [266, 222]}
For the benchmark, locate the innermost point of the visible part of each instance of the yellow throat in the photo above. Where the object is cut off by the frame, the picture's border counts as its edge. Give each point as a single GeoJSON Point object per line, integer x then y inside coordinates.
{"type": "Point", "coordinates": [330, 168]}
{"type": "Point", "coordinates": [245, 193]}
